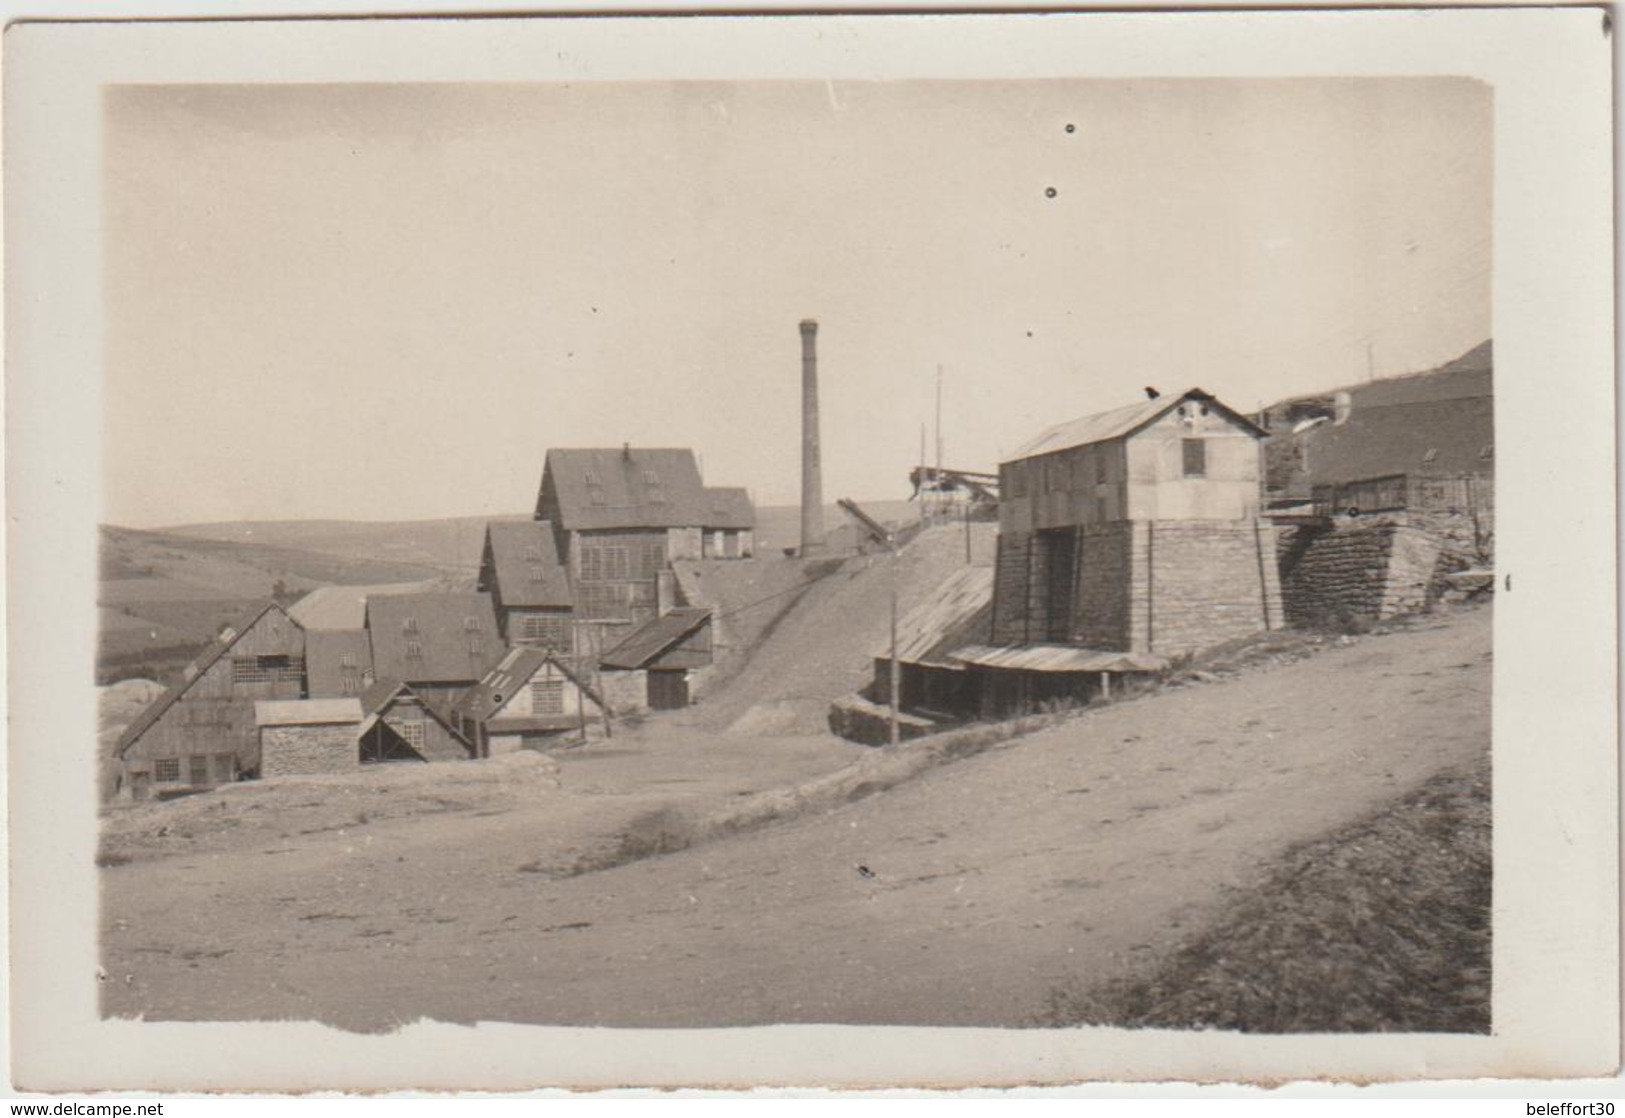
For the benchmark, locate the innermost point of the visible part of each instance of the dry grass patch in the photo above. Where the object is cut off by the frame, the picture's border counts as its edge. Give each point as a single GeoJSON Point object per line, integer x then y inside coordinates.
{"type": "Point", "coordinates": [1383, 926]}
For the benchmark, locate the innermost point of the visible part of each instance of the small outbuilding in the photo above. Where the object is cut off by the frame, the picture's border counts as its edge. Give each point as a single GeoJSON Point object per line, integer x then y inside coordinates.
{"type": "Point", "coordinates": [301, 737]}
{"type": "Point", "coordinates": [652, 667]}
{"type": "Point", "coordinates": [397, 725]}
{"type": "Point", "coordinates": [530, 700]}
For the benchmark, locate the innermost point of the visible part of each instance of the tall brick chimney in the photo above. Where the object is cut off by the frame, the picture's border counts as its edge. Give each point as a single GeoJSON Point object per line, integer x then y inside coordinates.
{"type": "Point", "coordinates": [812, 484]}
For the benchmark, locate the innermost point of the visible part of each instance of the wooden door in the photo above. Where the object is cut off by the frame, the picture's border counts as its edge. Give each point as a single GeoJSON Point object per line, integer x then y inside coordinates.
{"type": "Point", "coordinates": [668, 690]}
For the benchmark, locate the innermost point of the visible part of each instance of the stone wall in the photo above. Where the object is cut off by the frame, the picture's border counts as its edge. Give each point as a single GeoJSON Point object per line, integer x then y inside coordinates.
{"type": "Point", "coordinates": [1105, 587]}
{"type": "Point", "coordinates": [303, 750]}
{"type": "Point", "coordinates": [1163, 586]}
{"type": "Point", "coordinates": [1210, 581]}
{"type": "Point", "coordinates": [1012, 587]}
{"type": "Point", "coordinates": [1356, 570]}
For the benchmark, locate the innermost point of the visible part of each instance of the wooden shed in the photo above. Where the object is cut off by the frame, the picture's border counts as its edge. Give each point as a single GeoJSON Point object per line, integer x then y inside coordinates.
{"type": "Point", "coordinates": [397, 725]}
{"type": "Point", "coordinates": [202, 732]}
{"type": "Point", "coordinates": [662, 653]}
{"type": "Point", "coordinates": [530, 700]}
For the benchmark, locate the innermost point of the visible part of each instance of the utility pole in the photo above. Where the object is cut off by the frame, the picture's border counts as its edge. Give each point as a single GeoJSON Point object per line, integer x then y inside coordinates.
{"type": "Point", "coordinates": [939, 431]}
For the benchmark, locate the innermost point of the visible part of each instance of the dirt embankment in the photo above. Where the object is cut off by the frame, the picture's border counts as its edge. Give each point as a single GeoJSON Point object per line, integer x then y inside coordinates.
{"type": "Point", "coordinates": [964, 896]}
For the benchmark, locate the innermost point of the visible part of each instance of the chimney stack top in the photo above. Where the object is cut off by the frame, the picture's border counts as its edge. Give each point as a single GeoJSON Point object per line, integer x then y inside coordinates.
{"type": "Point", "coordinates": [809, 325]}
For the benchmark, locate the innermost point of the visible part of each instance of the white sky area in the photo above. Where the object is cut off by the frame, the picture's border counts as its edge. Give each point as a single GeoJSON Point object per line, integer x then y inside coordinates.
{"type": "Point", "coordinates": [387, 302]}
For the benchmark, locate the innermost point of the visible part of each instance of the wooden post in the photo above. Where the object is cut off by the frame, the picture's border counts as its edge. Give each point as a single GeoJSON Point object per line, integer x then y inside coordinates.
{"type": "Point", "coordinates": [1106, 685]}
{"type": "Point", "coordinates": [896, 669]}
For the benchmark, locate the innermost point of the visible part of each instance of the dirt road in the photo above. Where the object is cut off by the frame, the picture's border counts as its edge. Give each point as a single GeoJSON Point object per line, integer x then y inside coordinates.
{"type": "Point", "coordinates": [959, 898]}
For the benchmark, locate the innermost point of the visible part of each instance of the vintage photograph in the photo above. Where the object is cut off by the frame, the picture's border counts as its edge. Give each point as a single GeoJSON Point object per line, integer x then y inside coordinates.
{"type": "Point", "coordinates": [817, 552]}
{"type": "Point", "coordinates": [667, 554]}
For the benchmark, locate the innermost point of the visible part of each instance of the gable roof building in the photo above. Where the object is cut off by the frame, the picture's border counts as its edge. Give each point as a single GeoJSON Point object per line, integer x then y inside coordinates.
{"type": "Point", "coordinates": [201, 732]}
{"type": "Point", "coordinates": [338, 662]}
{"type": "Point", "coordinates": [529, 697]}
{"type": "Point", "coordinates": [446, 639]}
{"type": "Point", "coordinates": [635, 487]}
{"type": "Point", "coordinates": [521, 566]}
{"type": "Point", "coordinates": [345, 607]}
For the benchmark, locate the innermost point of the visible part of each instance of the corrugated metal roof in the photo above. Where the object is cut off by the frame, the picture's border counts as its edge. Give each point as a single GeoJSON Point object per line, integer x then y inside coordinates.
{"type": "Point", "coordinates": [959, 613]}
{"type": "Point", "coordinates": [637, 487]}
{"type": "Point", "coordinates": [345, 607]}
{"type": "Point", "coordinates": [332, 654]}
{"type": "Point", "coordinates": [529, 570]}
{"type": "Point", "coordinates": [433, 638]}
{"type": "Point", "coordinates": [1058, 658]}
{"type": "Point", "coordinates": [306, 712]}
{"type": "Point", "coordinates": [1120, 422]}
{"type": "Point", "coordinates": [654, 637]}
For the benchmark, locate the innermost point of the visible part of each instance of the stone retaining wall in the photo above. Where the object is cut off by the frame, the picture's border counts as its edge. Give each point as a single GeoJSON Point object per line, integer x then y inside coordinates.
{"type": "Point", "coordinates": [1377, 570]}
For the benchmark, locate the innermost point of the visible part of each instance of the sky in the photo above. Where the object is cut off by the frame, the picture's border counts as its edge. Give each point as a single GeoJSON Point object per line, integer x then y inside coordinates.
{"type": "Point", "coordinates": [387, 302]}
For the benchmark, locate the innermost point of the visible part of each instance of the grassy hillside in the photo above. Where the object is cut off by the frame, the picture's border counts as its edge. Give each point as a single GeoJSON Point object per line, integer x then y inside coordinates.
{"type": "Point", "coordinates": [451, 545]}
{"type": "Point", "coordinates": [164, 596]}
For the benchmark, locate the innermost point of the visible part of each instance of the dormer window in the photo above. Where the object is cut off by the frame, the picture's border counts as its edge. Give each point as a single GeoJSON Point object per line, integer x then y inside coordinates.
{"type": "Point", "coordinates": [409, 625]}
{"type": "Point", "coordinates": [1487, 451]}
{"type": "Point", "coordinates": [650, 478]}
{"type": "Point", "coordinates": [1433, 452]}
{"type": "Point", "coordinates": [533, 555]}
{"type": "Point", "coordinates": [471, 624]}
{"type": "Point", "coordinates": [537, 574]}
{"type": "Point", "coordinates": [414, 650]}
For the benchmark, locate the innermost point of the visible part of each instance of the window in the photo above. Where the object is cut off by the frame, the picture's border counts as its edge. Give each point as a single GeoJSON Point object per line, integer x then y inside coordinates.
{"type": "Point", "coordinates": [596, 496]}
{"type": "Point", "coordinates": [547, 696]}
{"type": "Point", "coordinates": [1100, 467]}
{"type": "Point", "coordinates": [1487, 451]}
{"type": "Point", "coordinates": [409, 625]}
{"type": "Point", "coordinates": [414, 650]}
{"type": "Point", "coordinates": [347, 660]}
{"type": "Point", "coordinates": [197, 769]}
{"type": "Point", "coordinates": [225, 768]}
{"type": "Point", "coordinates": [411, 732]}
{"type": "Point", "coordinates": [475, 646]}
{"type": "Point", "coordinates": [650, 478]}
{"type": "Point", "coordinates": [267, 669]}
{"type": "Point", "coordinates": [537, 573]}
{"type": "Point", "coordinates": [471, 624]}
{"type": "Point", "coordinates": [1195, 452]}
{"type": "Point", "coordinates": [533, 555]}
{"type": "Point", "coordinates": [605, 563]}
{"type": "Point", "coordinates": [167, 770]}
{"type": "Point", "coordinates": [545, 630]}
{"type": "Point", "coordinates": [1018, 479]}
{"type": "Point", "coordinates": [591, 478]}
{"type": "Point", "coordinates": [1433, 452]}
